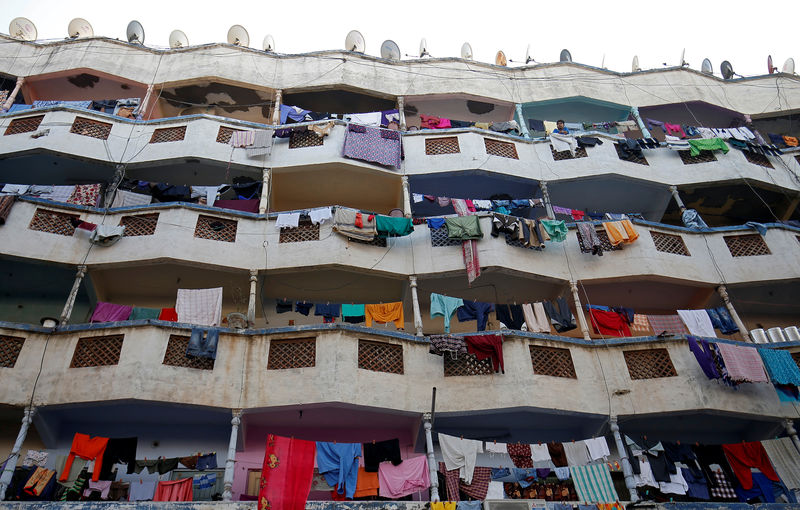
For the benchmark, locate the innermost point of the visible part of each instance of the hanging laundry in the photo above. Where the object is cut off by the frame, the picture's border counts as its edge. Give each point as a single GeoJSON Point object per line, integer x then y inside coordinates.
{"type": "Point", "coordinates": [697, 322]}
{"type": "Point", "coordinates": [35, 458]}
{"type": "Point", "coordinates": [106, 235]}
{"type": "Point", "coordinates": [85, 194]}
{"type": "Point", "coordinates": [487, 347]}
{"type": "Point", "coordinates": [669, 324]}
{"type": "Point", "coordinates": [109, 312]}
{"type": "Point", "coordinates": [354, 224]}
{"type": "Point", "coordinates": [469, 248]}
{"type": "Point", "coordinates": [396, 481]}
{"type": "Point", "coordinates": [576, 452]}
{"type": "Point", "coordinates": [590, 242]}
{"type": "Point", "coordinates": [710, 144]}
{"type": "Point", "coordinates": [373, 145]}
{"type": "Point", "coordinates": [142, 490]}
{"type": "Point", "coordinates": [168, 314]}
{"type": "Point", "coordinates": [444, 306]}
{"type": "Point", "coordinates": [286, 473]}
{"type": "Point", "coordinates": [303, 307]}
{"type": "Point", "coordinates": [783, 456]}
{"type": "Point", "coordinates": [482, 205]}
{"type": "Point", "coordinates": [201, 345]}
{"type": "Point", "coordinates": [609, 323]}
{"type": "Point", "coordinates": [320, 215]}
{"type": "Point", "coordinates": [536, 318]}
{"type": "Point", "coordinates": [89, 448]}
{"type": "Point", "coordinates": [385, 312]}
{"type": "Point", "coordinates": [390, 226]}
{"type": "Point", "coordinates": [262, 142]}
{"type": "Point", "coordinates": [780, 366]}
{"type": "Point", "coordinates": [202, 307]}
{"type": "Point", "coordinates": [459, 454]}
{"type": "Point", "coordinates": [381, 451]}
{"type": "Point", "coordinates": [640, 324]}
{"type": "Point", "coordinates": [339, 464]}
{"type": "Point", "coordinates": [454, 345]}
{"type": "Point", "coordinates": [505, 224]}
{"type": "Point", "coordinates": [353, 314]}
{"type": "Point", "coordinates": [287, 220]}
{"type": "Point", "coordinates": [178, 490]}
{"type": "Point", "coordinates": [743, 456]}
{"type": "Point", "coordinates": [495, 447]}
{"type": "Point", "coordinates": [791, 141]}
{"type": "Point", "coordinates": [119, 450]}
{"type": "Point", "coordinates": [703, 354]}
{"type": "Point", "coordinates": [560, 315]}
{"type": "Point", "coordinates": [597, 447]}
{"type": "Point", "coordinates": [124, 198]}
{"type": "Point", "coordinates": [475, 311]}
{"type": "Point", "coordinates": [742, 363]}
{"type": "Point", "coordinates": [477, 488]}
{"type": "Point", "coordinates": [520, 454]}
{"type": "Point", "coordinates": [556, 229]}
{"type": "Point", "coordinates": [463, 228]}
{"type": "Point", "coordinates": [563, 143]}
{"type": "Point", "coordinates": [677, 144]}
{"type": "Point", "coordinates": [294, 113]}
{"type": "Point", "coordinates": [620, 232]}
{"type": "Point", "coordinates": [674, 129]}
{"type": "Point", "coordinates": [242, 138]}
{"type": "Point", "coordinates": [510, 315]}
{"type": "Point", "coordinates": [593, 483]}
{"type": "Point", "coordinates": [328, 311]}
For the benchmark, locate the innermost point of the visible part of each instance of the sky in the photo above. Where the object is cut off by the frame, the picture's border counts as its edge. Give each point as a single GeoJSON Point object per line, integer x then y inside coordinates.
{"type": "Point", "coordinates": [601, 34]}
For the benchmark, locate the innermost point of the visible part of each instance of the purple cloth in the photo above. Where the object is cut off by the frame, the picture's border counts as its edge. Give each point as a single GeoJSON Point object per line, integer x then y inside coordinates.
{"type": "Point", "coordinates": [238, 205]}
{"type": "Point", "coordinates": [109, 312]}
{"type": "Point", "coordinates": [542, 472]}
{"type": "Point", "coordinates": [704, 357]}
{"type": "Point", "coordinates": [369, 145]}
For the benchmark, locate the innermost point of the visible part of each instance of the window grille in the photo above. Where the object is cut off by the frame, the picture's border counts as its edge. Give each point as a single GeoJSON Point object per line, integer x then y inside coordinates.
{"type": "Point", "coordinates": [378, 241]}
{"type": "Point", "coordinates": [580, 152]}
{"type": "Point", "coordinates": [97, 351]}
{"type": "Point", "coordinates": [514, 241]}
{"type": "Point", "coordinates": [442, 145]}
{"type": "Point", "coordinates": [10, 347]}
{"type": "Point", "coordinates": [91, 128]}
{"type": "Point", "coordinates": [380, 357]}
{"type": "Point", "coordinates": [630, 157]}
{"type": "Point", "coordinates": [176, 355]}
{"type": "Point", "coordinates": [552, 361]}
{"type": "Point", "coordinates": [439, 238]}
{"type": "Point", "coordinates": [294, 353]}
{"type": "Point", "coordinates": [301, 139]}
{"type": "Point", "coordinates": [224, 134]}
{"type": "Point", "coordinates": [216, 229]}
{"type": "Point", "coordinates": [466, 364]}
{"type": "Point", "coordinates": [173, 134]}
{"type": "Point", "coordinates": [669, 243]}
{"type": "Point", "coordinates": [703, 157]}
{"type": "Point", "coordinates": [649, 364]}
{"type": "Point", "coordinates": [140, 224]}
{"type": "Point", "coordinates": [758, 159]}
{"type": "Point", "coordinates": [305, 231]}
{"type": "Point", "coordinates": [24, 125]}
{"type": "Point", "coordinates": [605, 242]}
{"type": "Point", "coordinates": [747, 245]}
{"type": "Point", "coordinates": [53, 222]}
{"type": "Point", "coordinates": [502, 149]}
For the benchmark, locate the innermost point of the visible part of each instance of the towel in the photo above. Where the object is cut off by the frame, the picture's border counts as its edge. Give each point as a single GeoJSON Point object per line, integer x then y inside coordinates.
{"type": "Point", "coordinates": [200, 306]}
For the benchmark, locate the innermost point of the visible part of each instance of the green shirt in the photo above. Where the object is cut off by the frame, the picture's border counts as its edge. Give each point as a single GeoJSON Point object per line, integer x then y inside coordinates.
{"type": "Point", "coordinates": [556, 229]}
{"type": "Point", "coordinates": [707, 144]}
{"type": "Point", "coordinates": [389, 226]}
{"type": "Point", "coordinates": [463, 228]}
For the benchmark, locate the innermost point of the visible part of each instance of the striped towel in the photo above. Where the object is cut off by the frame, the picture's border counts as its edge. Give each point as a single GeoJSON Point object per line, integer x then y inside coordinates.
{"type": "Point", "coordinates": [671, 324]}
{"type": "Point", "coordinates": [243, 138]}
{"type": "Point", "coordinates": [743, 363]}
{"type": "Point", "coordinates": [593, 483]}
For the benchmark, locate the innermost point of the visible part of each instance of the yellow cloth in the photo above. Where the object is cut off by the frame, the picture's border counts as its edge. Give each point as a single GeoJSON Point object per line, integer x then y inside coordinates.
{"type": "Point", "coordinates": [385, 312]}
{"type": "Point", "coordinates": [620, 232]}
{"type": "Point", "coordinates": [549, 126]}
{"type": "Point", "coordinates": [443, 505]}
{"type": "Point", "coordinates": [482, 125]}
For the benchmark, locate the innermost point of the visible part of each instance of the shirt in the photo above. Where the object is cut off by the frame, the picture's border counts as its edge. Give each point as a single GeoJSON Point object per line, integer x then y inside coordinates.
{"type": "Point", "coordinates": [460, 454]}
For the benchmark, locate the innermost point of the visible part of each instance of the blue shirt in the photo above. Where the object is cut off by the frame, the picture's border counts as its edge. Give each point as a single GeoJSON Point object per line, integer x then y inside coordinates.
{"type": "Point", "coordinates": [339, 464]}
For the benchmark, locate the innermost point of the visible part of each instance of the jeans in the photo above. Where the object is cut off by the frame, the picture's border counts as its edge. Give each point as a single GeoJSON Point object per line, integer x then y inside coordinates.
{"type": "Point", "coordinates": [203, 347]}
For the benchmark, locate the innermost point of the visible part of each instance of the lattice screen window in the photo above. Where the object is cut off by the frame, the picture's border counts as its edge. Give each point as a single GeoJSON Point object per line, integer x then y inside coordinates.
{"type": "Point", "coordinates": [442, 145]}
{"type": "Point", "coordinates": [502, 149]}
{"type": "Point", "coordinates": [649, 364]}
{"type": "Point", "coordinates": [747, 245]}
{"type": "Point", "coordinates": [605, 242]}
{"type": "Point", "coordinates": [92, 128]}
{"type": "Point", "coordinates": [294, 353]}
{"type": "Point", "coordinates": [224, 134]}
{"type": "Point", "coordinates": [703, 157]}
{"type": "Point", "coordinates": [216, 229]}
{"type": "Point", "coordinates": [173, 134]}
{"type": "Point", "coordinates": [758, 159]}
{"type": "Point", "coordinates": [380, 357]}
{"type": "Point", "coordinates": [305, 231]}
{"type": "Point", "coordinates": [669, 243]}
{"type": "Point", "coordinates": [24, 125]}
{"type": "Point", "coordinates": [796, 358]}
{"type": "Point", "coordinates": [466, 364]}
{"type": "Point", "coordinates": [630, 157]}
{"type": "Point", "coordinates": [10, 347]}
{"type": "Point", "coordinates": [140, 224]}
{"type": "Point", "coordinates": [580, 152]}
{"type": "Point", "coordinates": [97, 351]}
{"type": "Point", "coordinates": [439, 238]}
{"type": "Point", "coordinates": [53, 222]}
{"type": "Point", "coordinates": [176, 355]}
{"type": "Point", "coordinates": [301, 139]}
{"type": "Point", "coordinates": [552, 361]}
{"type": "Point", "coordinates": [378, 241]}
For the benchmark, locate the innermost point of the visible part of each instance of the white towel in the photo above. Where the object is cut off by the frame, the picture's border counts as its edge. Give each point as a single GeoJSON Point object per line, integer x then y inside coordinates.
{"type": "Point", "coordinates": [563, 143]}
{"type": "Point", "coordinates": [492, 447]}
{"type": "Point", "coordinates": [706, 132]}
{"type": "Point", "coordinates": [460, 454]}
{"type": "Point", "coordinates": [540, 453]}
{"type": "Point", "coordinates": [15, 189]}
{"type": "Point", "coordinates": [320, 215]}
{"type": "Point", "coordinates": [697, 322]}
{"type": "Point", "coordinates": [128, 198]}
{"type": "Point", "coordinates": [496, 491]}
{"type": "Point", "coordinates": [417, 197]}
{"type": "Point", "coordinates": [676, 485]}
{"type": "Point", "coordinates": [598, 448]}
{"type": "Point", "coordinates": [200, 306]}
{"type": "Point", "coordinates": [59, 193]}
{"type": "Point", "coordinates": [577, 453]}
{"type": "Point", "coordinates": [367, 119]}
{"type": "Point", "coordinates": [287, 220]}
{"type": "Point", "coordinates": [262, 143]}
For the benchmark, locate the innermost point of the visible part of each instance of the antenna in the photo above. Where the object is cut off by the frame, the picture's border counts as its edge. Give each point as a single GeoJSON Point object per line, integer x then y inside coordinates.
{"type": "Point", "coordinates": [684, 63]}
{"type": "Point", "coordinates": [726, 69]}
{"type": "Point", "coordinates": [500, 59]}
{"type": "Point", "coordinates": [565, 56]}
{"type": "Point", "coordinates": [78, 28]}
{"type": "Point", "coordinates": [788, 66]}
{"type": "Point", "coordinates": [135, 32]}
{"type": "Point", "coordinates": [770, 68]}
{"type": "Point", "coordinates": [23, 29]}
{"type": "Point", "coordinates": [238, 36]}
{"type": "Point", "coordinates": [177, 39]}
{"type": "Point", "coordinates": [707, 68]}
{"type": "Point", "coordinates": [269, 43]}
{"type": "Point", "coordinates": [390, 50]}
{"type": "Point", "coordinates": [466, 51]}
{"type": "Point", "coordinates": [423, 48]}
{"type": "Point", "coordinates": [635, 64]}
{"type": "Point", "coordinates": [354, 41]}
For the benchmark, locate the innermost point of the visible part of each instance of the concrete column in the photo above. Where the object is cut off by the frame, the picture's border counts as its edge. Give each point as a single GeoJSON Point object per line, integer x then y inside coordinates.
{"type": "Point", "coordinates": [579, 311]}
{"type": "Point", "coordinates": [76, 285]}
{"type": "Point", "coordinates": [677, 197]}
{"type": "Point", "coordinates": [276, 112]}
{"type": "Point", "coordinates": [521, 119]}
{"type": "Point", "coordinates": [251, 302]}
{"type": "Point", "coordinates": [13, 96]}
{"type": "Point", "coordinates": [412, 281]}
{"type": "Point", "coordinates": [642, 127]}
{"type": "Point", "coordinates": [623, 457]}
{"type": "Point", "coordinates": [8, 472]}
{"type": "Point", "coordinates": [263, 204]}
{"type": "Point", "coordinates": [789, 426]}
{"type": "Point", "coordinates": [426, 419]}
{"type": "Point", "coordinates": [143, 106]}
{"type": "Point", "coordinates": [401, 107]}
{"type": "Point", "coordinates": [230, 462]}
{"type": "Point", "coordinates": [546, 199]}
{"type": "Point", "coordinates": [723, 293]}
{"type": "Point", "coordinates": [406, 198]}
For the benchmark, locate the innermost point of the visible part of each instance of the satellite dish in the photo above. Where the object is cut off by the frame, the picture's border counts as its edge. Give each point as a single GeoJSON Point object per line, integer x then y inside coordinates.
{"type": "Point", "coordinates": [78, 28]}
{"type": "Point", "coordinates": [770, 68]}
{"type": "Point", "coordinates": [788, 66]}
{"type": "Point", "coordinates": [683, 61]}
{"type": "Point", "coordinates": [177, 39]}
{"type": "Point", "coordinates": [238, 36]}
{"type": "Point", "coordinates": [390, 50]}
{"type": "Point", "coordinates": [22, 28]}
{"type": "Point", "coordinates": [423, 48]}
{"type": "Point", "coordinates": [269, 43]}
{"type": "Point", "coordinates": [466, 51]}
{"type": "Point", "coordinates": [707, 68]}
{"type": "Point", "coordinates": [635, 64]}
{"type": "Point", "coordinates": [565, 56]}
{"type": "Point", "coordinates": [726, 69]}
{"type": "Point", "coordinates": [354, 41]}
{"type": "Point", "coordinates": [135, 32]}
{"type": "Point", "coordinates": [528, 58]}
{"type": "Point", "coordinates": [500, 59]}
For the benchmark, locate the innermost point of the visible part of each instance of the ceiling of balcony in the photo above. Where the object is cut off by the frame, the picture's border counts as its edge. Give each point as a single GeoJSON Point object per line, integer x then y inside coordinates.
{"type": "Point", "coordinates": [80, 85]}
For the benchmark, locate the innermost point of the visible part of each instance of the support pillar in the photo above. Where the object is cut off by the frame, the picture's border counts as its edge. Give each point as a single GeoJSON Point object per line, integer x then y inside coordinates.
{"type": "Point", "coordinates": [251, 302]}
{"type": "Point", "coordinates": [144, 106]}
{"type": "Point", "coordinates": [13, 96]}
{"type": "Point", "coordinates": [401, 108]}
{"type": "Point", "coordinates": [787, 213]}
{"type": "Point", "coordinates": [412, 281]}
{"type": "Point", "coordinates": [76, 285]}
{"type": "Point", "coordinates": [677, 197]}
{"type": "Point", "coordinates": [263, 203]}
{"type": "Point", "coordinates": [276, 112]}
{"type": "Point", "coordinates": [789, 426]}
{"type": "Point", "coordinates": [230, 462]}
{"type": "Point", "coordinates": [723, 293]}
{"type": "Point", "coordinates": [11, 463]}
{"type": "Point", "coordinates": [579, 311]}
{"type": "Point", "coordinates": [522, 126]}
{"type": "Point", "coordinates": [546, 199]}
{"type": "Point", "coordinates": [406, 198]}
{"type": "Point", "coordinates": [623, 457]}
{"type": "Point", "coordinates": [426, 419]}
{"type": "Point", "coordinates": [642, 127]}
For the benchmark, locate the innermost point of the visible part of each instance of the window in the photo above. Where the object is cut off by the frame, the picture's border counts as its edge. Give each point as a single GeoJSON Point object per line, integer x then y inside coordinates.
{"type": "Point", "coordinates": [10, 347]}
{"type": "Point", "coordinates": [294, 353]}
{"type": "Point", "coordinates": [301, 139]}
{"type": "Point", "coordinates": [580, 152]}
{"type": "Point", "coordinates": [757, 159]}
{"type": "Point", "coordinates": [53, 222]}
{"type": "Point", "coordinates": [605, 242]}
{"type": "Point", "coordinates": [466, 364]}
{"type": "Point", "coordinates": [630, 157]}
{"type": "Point", "coordinates": [502, 149]}
{"type": "Point", "coordinates": [442, 145]}
{"type": "Point", "coordinates": [747, 245]}
{"type": "Point", "coordinates": [552, 361]}
{"type": "Point", "coordinates": [669, 243]}
{"type": "Point", "coordinates": [703, 157]}
{"type": "Point", "coordinates": [380, 357]}
{"type": "Point", "coordinates": [649, 364]}
{"type": "Point", "coordinates": [24, 125]}
{"type": "Point", "coordinates": [91, 128]}
{"type": "Point", "coordinates": [439, 238]}
{"type": "Point", "coordinates": [139, 225]}
{"type": "Point", "coordinates": [216, 229]}
{"type": "Point", "coordinates": [176, 355]}
{"type": "Point", "coordinates": [224, 134]}
{"type": "Point", "coordinates": [173, 134]}
{"type": "Point", "coordinates": [305, 231]}
{"type": "Point", "coordinates": [97, 351]}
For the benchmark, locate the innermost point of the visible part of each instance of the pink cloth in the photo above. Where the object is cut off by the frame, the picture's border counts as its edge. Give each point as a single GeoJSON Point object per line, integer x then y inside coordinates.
{"type": "Point", "coordinates": [469, 249]}
{"type": "Point", "coordinates": [743, 363]}
{"type": "Point", "coordinates": [675, 130]}
{"type": "Point", "coordinates": [109, 312]}
{"type": "Point", "coordinates": [411, 476]}
{"type": "Point", "coordinates": [102, 486]}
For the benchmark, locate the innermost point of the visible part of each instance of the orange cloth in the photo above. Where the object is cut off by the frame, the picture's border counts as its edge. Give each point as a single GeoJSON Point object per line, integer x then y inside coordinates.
{"type": "Point", "coordinates": [791, 141]}
{"type": "Point", "coordinates": [39, 480]}
{"type": "Point", "coordinates": [366, 486]}
{"type": "Point", "coordinates": [89, 448]}
{"type": "Point", "coordinates": [178, 490]}
{"type": "Point", "coordinates": [620, 232]}
{"type": "Point", "coordinates": [385, 312]}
